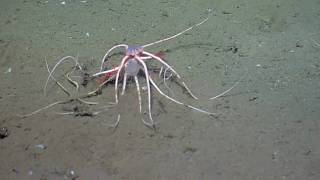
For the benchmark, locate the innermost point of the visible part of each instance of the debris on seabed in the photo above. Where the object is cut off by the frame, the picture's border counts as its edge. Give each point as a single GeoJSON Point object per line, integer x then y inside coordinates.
{"type": "Point", "coordinates": [41, 146]}
{"type": "Point", "coordinates": [71, 175]}
{"type": "Point", "coordinates": [72, 172]}
{"type": "Point", "coordinates": [4, 132]}
{"type": "Point", "coordinates": [8, 70]}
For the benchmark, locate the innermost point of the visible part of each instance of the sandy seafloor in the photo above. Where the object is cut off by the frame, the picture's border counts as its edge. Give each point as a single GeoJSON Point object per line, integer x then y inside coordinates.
{"type": "Point", "coordinates": [266, 128]}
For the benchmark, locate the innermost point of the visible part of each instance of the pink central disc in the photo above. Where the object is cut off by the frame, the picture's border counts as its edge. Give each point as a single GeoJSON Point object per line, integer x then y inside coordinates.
{"type": "Point", "coordinates": [134, 50]}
